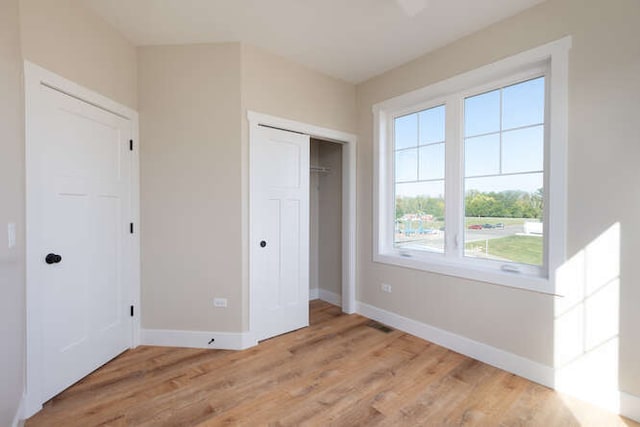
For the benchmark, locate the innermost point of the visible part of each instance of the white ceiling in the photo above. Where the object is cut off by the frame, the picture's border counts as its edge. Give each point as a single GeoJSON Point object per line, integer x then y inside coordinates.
{"type": "Point", "coordinates": [349, 39]}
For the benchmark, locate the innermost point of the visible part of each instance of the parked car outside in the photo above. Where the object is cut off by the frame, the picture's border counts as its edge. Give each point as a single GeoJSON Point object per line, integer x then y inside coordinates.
{"type": "Point", "coordinates": [488, 226]}
{"type": "Point", "coordinates": [500, 225]}
{"type": "Point", "coordinates": [475, 227]}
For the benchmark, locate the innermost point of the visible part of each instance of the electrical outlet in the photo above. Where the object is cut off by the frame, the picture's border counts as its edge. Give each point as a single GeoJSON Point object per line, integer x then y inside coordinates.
{"type": "Point", "coordinates": [386, 288]}
{"type": "Point", "coordinates": [11, 235]}
{"type": "Point", "coordinates": [220, 302]}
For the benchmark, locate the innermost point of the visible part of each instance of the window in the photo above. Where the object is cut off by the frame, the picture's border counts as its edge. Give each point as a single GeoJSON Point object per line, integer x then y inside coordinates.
{"type": "Point", "coordinates": [470, 173]}
{"type": "Point", "coordinates": [419, 146]}
{"type": "Point", "coordinates": [504, 173]}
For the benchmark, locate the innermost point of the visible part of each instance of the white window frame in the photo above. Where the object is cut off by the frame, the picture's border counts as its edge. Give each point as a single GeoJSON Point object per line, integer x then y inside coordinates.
{"type": "Point", "coordinates": [550, 60]}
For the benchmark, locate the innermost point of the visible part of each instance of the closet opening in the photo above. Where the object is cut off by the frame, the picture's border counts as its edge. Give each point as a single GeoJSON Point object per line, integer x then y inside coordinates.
{"type": "Point", "coordinates": [325, 221]}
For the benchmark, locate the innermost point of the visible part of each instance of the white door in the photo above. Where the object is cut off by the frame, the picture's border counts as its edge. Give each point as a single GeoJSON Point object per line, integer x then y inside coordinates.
{"type": "Point", "coordinates": [279, 251]}
{"type": "Point", "coordinates": [79, 183]}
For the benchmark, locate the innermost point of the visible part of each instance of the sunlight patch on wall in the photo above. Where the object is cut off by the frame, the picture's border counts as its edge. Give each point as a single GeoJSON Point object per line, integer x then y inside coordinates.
{"type": "Point", "coordinates": [587, 322]}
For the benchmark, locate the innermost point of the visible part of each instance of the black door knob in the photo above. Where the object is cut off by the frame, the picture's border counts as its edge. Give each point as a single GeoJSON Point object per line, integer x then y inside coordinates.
{"type": "Point", "coordinates": [263, 244]}
{"type": "Point", "coordinates": [52, 259]}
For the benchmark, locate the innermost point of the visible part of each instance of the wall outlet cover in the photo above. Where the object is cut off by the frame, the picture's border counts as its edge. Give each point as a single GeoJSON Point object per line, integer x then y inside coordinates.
{"type": "Point", "coordinates": [11, 235]}
{"type": "Point", "coordinates": [219, 302]}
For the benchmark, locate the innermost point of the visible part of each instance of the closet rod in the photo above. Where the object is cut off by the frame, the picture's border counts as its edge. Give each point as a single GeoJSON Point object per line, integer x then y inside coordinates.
{"type": "Point", "coordinates": [320, 169]}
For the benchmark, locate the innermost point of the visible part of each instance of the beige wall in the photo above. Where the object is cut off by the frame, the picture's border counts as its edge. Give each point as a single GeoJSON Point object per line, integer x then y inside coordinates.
{"type": "Point", "coordinates": [279, 87]}
{"type": "Point", "coordinates": [603, 151]}
{"type": "Point", "coordinates": [67, 39]}
{"type": "Point", "coordinates": [189, 105]}
{"type": "Point", "coordinates": [12, 285]}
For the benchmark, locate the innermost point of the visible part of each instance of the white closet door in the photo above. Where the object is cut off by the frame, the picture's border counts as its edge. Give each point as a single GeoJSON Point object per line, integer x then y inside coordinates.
{"type": "Point", "coordinates": [279, 252]}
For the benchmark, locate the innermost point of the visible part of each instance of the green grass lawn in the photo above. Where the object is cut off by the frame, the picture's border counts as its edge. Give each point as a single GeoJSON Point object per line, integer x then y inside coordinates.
{"type": "Point", "coordinates": [523, 249]}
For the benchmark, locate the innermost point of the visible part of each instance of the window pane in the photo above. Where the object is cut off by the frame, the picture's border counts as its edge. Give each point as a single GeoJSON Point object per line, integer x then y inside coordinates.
{"type": "Point", "coordinates": [419, 216]}
{"type": "Point", "coordinates": [406, 131]}
{"type": "Point", "coordinates": [482, 114]}
{"type": "Point", "coordinates": [523, 104]}
{"type": "Point", "coordinates": [431, 162]}
{"type": "Point", "coordinates": [482, 155]}
{"type": "Point", "coordinates": [407, 165]}
{"type": "Point", "coordinates": [523, 150]}
{"type": "Point", "coordinates": [503, 218]}
{"type": "Point", "coordinates": [432, 125]}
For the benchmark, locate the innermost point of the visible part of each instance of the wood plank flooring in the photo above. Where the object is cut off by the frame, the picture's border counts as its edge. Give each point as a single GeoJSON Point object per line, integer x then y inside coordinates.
{"type": "Point", "coordinates": [339, 371]}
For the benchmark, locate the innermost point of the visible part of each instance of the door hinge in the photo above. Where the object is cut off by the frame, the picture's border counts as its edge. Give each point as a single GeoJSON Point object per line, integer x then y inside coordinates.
{"type": "Point", "coordinates": [131, 227]}
{"type": "Point", "coordinates": [131, 145]}
{"type": "Point", "coordinates": [131, 311]}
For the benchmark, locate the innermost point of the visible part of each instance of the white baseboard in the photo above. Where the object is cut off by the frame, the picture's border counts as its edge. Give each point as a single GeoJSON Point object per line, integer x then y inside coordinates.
{"type": "Point", "coordinates": [19, 417]}
{"type": "Point", "coordinates": [198, 339]}
{"type": "Point", "coordinates": [630, 406]}
{"type": "Point", "coordinates": [509, 362]}
{"type": "Point", "coordinates": [324, 295]}
{"type": "Point", "coordinates": [330, 297]}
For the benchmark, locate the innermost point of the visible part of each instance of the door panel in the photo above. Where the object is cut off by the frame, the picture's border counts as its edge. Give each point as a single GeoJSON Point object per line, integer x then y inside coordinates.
{"type": "Point", "coordinates": [280, 219]}
{"type": "Point", "coordinates": [283, 169]}
{"type": "Point", "coordinates": [106, 266]}
{"type": "Point", "coordinates": [291, 262]}
{"type": "Point", "coordinates": [84, 203]}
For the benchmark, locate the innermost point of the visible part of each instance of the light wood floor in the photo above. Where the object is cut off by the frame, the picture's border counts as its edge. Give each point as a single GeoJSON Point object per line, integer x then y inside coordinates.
{"type": "Point", "coordinates": [339, 371]}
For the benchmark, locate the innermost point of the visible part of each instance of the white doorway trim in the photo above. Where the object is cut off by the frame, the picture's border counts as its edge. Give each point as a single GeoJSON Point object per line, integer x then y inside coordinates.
{"type": "Point", "coordinates": [35, 78]}
{"type": "Point", "coordinates": [348, 197]}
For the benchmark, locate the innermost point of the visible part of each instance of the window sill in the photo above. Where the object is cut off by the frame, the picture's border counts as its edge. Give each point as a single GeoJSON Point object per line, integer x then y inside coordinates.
{"type": "Point", "coordinates": [466, 270]}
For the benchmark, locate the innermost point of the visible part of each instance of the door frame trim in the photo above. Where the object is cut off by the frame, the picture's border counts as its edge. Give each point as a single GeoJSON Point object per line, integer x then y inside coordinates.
{"type": "Point", "coordinates": [349, 224]}
{"type": "Point", "coordinates": [35, 77]}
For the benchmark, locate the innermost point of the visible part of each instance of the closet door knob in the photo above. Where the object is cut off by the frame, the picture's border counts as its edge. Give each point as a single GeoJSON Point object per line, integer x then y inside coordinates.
{"type": "Point", "coordinates": [52, 259]}
{"type": "Point", "coordinates": [263, 244]}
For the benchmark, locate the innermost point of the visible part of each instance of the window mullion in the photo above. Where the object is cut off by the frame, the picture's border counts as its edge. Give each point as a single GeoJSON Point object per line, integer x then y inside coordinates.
{"type": "Point", "coordinates": [453, 170]}
{"type": "Point", "coordinates": [501, 131]}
